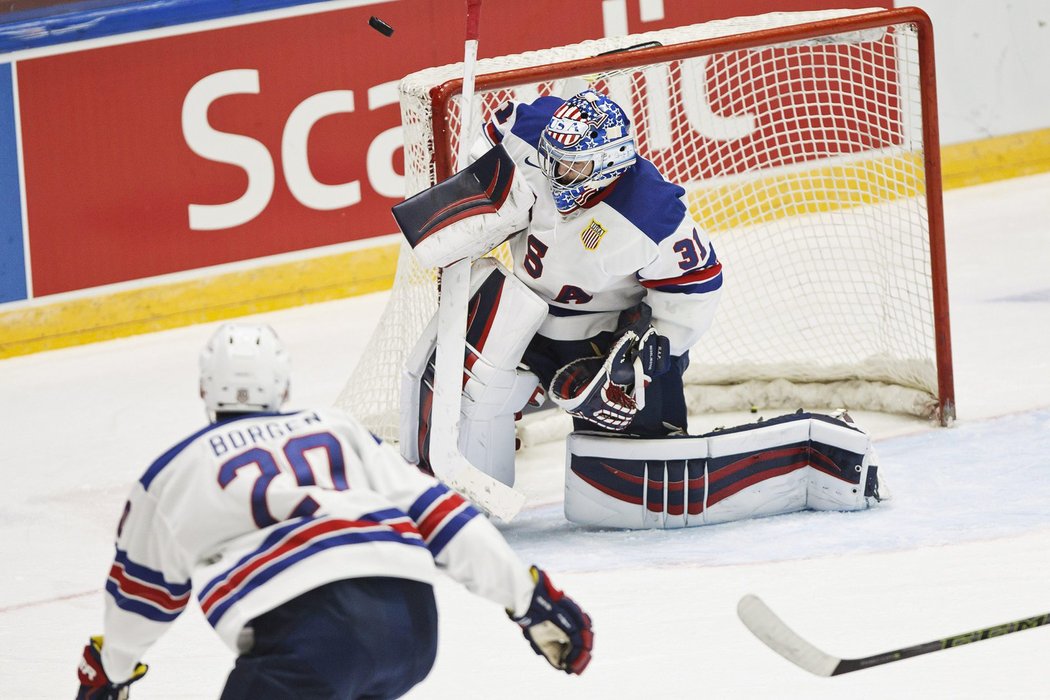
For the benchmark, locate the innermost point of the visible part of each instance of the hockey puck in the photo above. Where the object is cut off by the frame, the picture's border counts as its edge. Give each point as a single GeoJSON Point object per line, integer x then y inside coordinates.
{"type": "Point", "coordinates": [380, 26]}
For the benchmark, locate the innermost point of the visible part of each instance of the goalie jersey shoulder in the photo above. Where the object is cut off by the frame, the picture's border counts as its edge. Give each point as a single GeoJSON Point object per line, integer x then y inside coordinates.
{"type": "Point", "coordinates": [525, 121]}
{"type": "Point", "coordinates": [652, 204]}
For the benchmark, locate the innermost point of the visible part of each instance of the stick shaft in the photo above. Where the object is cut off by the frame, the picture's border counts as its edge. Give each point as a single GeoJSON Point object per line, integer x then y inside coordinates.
{"type": "Point", "coordinates": [470, 62]}
{"type": "Point", "coordinates": [848, 665]}
{"type": "Point", "coordinates": [455, 281]}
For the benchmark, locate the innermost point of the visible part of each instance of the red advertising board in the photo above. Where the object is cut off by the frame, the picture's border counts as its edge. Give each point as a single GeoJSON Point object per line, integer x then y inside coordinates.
{"type": "Point", "coordinates": [185, 151]}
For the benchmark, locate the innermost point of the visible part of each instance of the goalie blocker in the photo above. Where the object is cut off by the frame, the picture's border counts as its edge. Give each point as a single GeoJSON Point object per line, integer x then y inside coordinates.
{"type": "Point", "coordinates": [782, 465]}
{"type": "Point", "coordinates": [468, 214]}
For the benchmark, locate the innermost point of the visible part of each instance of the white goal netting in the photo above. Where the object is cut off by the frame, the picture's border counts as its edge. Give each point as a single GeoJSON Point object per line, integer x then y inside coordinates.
{"type": "Point", "coordinates": [802, 150]}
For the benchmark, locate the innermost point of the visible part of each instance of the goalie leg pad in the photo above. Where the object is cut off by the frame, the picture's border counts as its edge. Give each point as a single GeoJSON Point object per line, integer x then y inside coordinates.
{"type": "Point", "coordinates": [787, 464]}
{"type": "Point", "coordinates": [503, 316]}
{"type": "Point", "coordinates": [491, 398]}
{"type": "Point", "coordinates": [638, 483]}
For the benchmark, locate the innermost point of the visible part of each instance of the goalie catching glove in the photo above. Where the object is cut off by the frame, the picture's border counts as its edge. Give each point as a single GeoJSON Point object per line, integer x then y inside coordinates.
{"type": "Point", "coordinates": [556, 627]}
{"type": "Point", "coordinates": [609, 391]}
{"type": "Point", "coordinates": [94, 683]}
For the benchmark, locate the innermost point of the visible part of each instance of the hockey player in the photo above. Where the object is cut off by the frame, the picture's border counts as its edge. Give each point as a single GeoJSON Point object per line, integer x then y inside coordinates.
{"type": "Point", "coordinates": [626, 282]}
{"type": "Point", "coordinates": [612, 284]}
{"type": "Point", "coordinates": [310, 546]}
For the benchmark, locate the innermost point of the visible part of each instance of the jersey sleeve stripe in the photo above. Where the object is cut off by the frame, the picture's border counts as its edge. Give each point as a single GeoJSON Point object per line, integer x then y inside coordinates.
{"type": "Point", "coordinates": [702, 288]}
{"type": "Point", "coordinates": [434, 516]}
{"type": "Point", "coordinates": [153, 594]}
{"type": "Point", "coordinates": [142, 607]}
{"type": "Point", "coordinates": [296, 543]}
{"type": "Point", "coordinates": [709, 275]}
{"type": "Point", "coordinates": [144, 591]}
{"type": "Point", "coordinates": [396, 520]}
{"type": "Point", "coordinates": [440, 514]}
{"type": "Point", "coordinates": [150, 576]}
{"type": "Point", "coordinates": [450, 527]}
{"type": "Point", "coordinates": [426, 500]}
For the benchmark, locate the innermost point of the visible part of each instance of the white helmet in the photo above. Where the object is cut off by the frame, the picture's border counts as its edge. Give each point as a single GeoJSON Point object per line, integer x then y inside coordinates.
{"type": "Point", "coordinates": [244, 369]}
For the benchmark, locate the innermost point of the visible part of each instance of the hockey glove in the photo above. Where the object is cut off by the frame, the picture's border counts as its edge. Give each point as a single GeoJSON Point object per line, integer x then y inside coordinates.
{"type": "Point", "coordinates": [94, 683]}
{"type": "Point", "coordinates": [598, 389]}
{"type": "Point", "coordinates": [556, 627]}
{"type": "Point", "coordinates": [651, 359]}
{"type": "Point", "coordinates": [652, 354]}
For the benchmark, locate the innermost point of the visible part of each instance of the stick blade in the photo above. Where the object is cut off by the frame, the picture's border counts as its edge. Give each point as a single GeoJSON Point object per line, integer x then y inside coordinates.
{"type": "Point", "coordinates": [488, 494]}
{"type": "Point", "coordinates": [776, 635]}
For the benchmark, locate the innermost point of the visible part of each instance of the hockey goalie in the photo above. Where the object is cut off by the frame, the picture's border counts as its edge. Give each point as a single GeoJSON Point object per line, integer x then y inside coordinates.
{"type": "Point", "coordinates": [612, 283]}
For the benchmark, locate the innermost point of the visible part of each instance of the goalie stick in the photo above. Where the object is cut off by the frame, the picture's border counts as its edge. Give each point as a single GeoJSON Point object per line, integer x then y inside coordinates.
{"type": "Point", "coordinates": [776, 635]}
{"type": "Point", "coordinates": [448, 462]}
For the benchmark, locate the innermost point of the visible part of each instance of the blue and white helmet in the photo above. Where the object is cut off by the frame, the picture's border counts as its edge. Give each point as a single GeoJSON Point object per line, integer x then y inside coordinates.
{"type": "Point", "coordinates": [586, 145]}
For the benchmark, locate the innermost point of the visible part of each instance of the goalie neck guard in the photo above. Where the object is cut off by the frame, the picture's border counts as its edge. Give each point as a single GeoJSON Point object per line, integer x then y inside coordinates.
{"type": "Point", "coordinates": [585, 147]}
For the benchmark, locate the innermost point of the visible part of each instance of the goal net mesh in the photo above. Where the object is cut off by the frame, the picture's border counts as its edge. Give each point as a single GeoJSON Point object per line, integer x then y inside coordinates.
{"type": "Point", "coordinates": [804, 160]}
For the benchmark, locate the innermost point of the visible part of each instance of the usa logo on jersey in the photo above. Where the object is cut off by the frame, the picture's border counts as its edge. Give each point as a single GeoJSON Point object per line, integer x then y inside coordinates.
{"type": "Point", "coordinates": [592, 235]}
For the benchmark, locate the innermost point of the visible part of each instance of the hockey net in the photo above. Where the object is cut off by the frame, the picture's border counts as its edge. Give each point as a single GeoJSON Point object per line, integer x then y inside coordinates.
{"type": "Point", "coordinates": [807, 143]}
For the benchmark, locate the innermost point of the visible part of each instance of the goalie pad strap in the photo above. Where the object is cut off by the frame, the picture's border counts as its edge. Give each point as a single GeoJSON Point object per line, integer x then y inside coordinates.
{"type": "Point", "coordinates": [797, 462]}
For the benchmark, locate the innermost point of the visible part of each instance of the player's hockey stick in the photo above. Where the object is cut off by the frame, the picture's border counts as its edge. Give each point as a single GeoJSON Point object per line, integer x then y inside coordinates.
{"type": "Point", "coordinates": [448, 462]}
{"type": "Point", "coordinates": [772, 631]}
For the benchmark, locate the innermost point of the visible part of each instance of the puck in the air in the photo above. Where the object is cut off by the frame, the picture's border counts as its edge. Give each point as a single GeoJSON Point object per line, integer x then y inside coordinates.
{"type": "Point", "coordinates": [380, 26]}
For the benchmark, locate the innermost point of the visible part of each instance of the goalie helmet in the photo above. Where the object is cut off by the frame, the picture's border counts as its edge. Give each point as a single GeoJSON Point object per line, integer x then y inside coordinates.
{"type": "Point", "coordinates": [244, 369]}
{"type": "Point", "coordinates": [586, 145]}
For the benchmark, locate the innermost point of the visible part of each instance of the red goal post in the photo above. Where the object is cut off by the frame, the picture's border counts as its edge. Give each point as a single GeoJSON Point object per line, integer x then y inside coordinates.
{"type": "Point", "coordinates": [808, 146]}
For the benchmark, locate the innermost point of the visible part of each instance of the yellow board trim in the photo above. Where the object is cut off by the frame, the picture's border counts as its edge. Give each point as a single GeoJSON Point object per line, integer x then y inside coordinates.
{"type": "Point", "coordinates": [998, 158]}
{"type": "Point", "coordinates": [887, 178]}
{"type": "Point", "coordinates": [49, 326]}
{"type": "Point", "coordinates": [171, 305]}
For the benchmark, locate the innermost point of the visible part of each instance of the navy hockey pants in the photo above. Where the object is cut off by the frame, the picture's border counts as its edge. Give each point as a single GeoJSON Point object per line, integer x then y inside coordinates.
{"type": "Point", "coordinates": [356, 638]}
{"type": "Point", "coordinates": [664, 411]}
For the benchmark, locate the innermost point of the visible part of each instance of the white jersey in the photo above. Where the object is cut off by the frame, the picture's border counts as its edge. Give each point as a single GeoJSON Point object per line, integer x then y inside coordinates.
{"type": "Point", "coordinates": [252, 512]}
{"type": "Point", "coordinates": [634, 241]}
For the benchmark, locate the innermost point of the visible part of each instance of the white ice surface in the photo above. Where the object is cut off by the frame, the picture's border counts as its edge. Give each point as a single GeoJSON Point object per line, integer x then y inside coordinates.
{"type": "Point", "coordinates": [965, 542]}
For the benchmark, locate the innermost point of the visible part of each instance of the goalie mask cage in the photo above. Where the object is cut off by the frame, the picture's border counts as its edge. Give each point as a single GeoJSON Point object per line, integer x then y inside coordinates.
{"type": "Point", "coordinates": [807, 143]}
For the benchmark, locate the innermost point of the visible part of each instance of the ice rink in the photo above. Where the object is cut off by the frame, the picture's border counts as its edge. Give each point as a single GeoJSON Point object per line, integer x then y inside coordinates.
{"type": "Point", "coordinates": [965, 542]}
